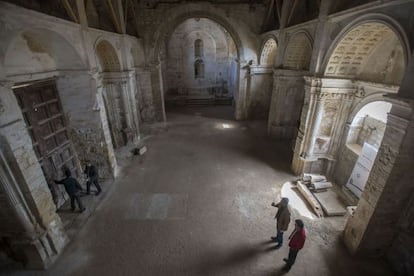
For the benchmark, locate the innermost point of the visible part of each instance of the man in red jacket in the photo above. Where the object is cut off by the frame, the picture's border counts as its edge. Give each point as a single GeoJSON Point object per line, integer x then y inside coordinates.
{"type": "Point", "coordinates": [297, 240]}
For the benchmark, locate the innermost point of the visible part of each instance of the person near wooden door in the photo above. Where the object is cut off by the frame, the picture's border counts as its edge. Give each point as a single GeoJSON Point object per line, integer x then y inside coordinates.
{"type": "Point", "coordinates": [73, 188]}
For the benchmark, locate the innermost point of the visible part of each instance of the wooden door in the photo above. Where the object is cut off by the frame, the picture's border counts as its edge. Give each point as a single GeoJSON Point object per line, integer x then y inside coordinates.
{"type": "Point", "coordinates": [42, 111]}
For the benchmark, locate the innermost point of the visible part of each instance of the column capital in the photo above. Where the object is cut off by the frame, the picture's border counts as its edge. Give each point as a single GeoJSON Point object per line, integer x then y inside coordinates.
{"type": "Point", "coordinates": [313, 81]}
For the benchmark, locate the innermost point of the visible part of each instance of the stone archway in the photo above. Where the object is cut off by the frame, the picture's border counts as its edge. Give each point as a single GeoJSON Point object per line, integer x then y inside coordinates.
{"type": "Point", "coordinates": [298, 52]}
{"type": "Point", "coordinates": [172, 20]}
{"type": "Point", "coordinates": [268, 52]}
{"type": "Point", "coordinates": [112, 92]}
{"type": "Point", "coordinates": [370, 51]}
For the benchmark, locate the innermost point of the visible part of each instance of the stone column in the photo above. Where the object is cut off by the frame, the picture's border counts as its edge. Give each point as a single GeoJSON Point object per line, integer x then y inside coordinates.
{"type": "Point", "coordinates": [144, 96]}
{"type": "Point", "coordinates": [158, 92]}
{"type": "Point", "coordinates": [97, 79]}
{"type": "Point", "coordinates": [242, 91]}
{"type": "Point", "coordinates": [389, 187]}
{"type": "Point", "coordinates": [305, 132]}
{"type": "Point", "coordinates": [33, 230]}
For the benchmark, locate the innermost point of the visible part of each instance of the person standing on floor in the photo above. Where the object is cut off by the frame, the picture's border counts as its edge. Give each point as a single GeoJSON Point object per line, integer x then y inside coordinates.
{"type": "Point", "coordinates": [282, 220]}
{"type": "Point", "coordinates": [73, 189]}
{"type": "Point", "coordinates": [297, 240]}
{"type": "Point", "coordinates": [92, 177]}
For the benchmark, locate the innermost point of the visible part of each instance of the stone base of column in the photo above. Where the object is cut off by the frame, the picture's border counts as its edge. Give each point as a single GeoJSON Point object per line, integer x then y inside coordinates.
{"type": "Point", "coordinates": [41, 250]}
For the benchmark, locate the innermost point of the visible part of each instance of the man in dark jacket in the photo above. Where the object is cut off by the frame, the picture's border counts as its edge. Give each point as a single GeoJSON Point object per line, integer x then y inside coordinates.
{"type": "Point", "coordinates": [92, 175]}
{"type": "Point", "coordinates": [73, 189]}
{"type": "Point", "coordinates": [282, 220]}
{"type": "Point", "coordinates": [297, 240]}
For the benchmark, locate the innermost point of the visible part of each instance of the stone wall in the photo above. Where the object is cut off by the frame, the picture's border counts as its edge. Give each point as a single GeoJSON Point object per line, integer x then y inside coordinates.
{"type": "Point", "coordinates": [259, 93]}
{"type": "Point", "coordinates": [286, 104]}
{"type": "Point", "coordinates": [213, 53]}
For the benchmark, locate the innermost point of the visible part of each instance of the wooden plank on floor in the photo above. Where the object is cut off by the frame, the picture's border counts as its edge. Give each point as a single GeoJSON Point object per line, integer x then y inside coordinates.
{"type": "Point", "coordinates": [316, 207]}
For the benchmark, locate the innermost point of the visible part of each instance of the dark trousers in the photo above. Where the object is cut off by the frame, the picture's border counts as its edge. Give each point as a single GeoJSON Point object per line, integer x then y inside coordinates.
{"type": "Point", "coordinates": [279, 237]}
{"type": "Point", "coordinates": [292, 257]}
{"type": "Point", "coordinates": [95, 182]}
{"type": "Point", "coordinates": [78, 200]}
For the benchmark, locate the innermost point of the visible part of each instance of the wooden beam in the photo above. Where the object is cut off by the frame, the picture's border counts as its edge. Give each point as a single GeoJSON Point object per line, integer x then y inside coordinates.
{"type": "Point", "coordinates": [278, 11]}
{"type": "Point", "coordinates": [135, 16]}
{"type": "Point", "coordinates": [126, 14]}
{"type": "Point", "coordinates": [292, 11]}
{"type": "Point", "coordinates": [114, 17]}
{"type": "Point", "coordinates": [70, 11]}
{"type": "Point", "coordinates": [269, 12]}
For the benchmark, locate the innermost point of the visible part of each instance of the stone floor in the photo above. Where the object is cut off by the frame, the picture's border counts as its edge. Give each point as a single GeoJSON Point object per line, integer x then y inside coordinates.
{"type": "Point", "coordinates": [198, 203]}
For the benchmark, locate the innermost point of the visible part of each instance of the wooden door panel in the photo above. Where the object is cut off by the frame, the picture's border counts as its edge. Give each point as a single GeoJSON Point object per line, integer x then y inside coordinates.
{"type": "Point", "coordinates": [43, 114]}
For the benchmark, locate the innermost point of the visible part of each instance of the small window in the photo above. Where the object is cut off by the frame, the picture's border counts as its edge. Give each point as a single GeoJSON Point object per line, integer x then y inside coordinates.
{"type": "Point", "coordinates": [198, 48]}
{"type": "Point", "coordinates": [198, 69]}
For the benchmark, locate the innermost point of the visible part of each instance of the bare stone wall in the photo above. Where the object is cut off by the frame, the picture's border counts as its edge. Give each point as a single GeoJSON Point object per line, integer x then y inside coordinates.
{"type": "Point", "coordinates": [344, 166]}
{"type": "Point", "coordinates": [260, 93]}
{"type": "Point", "coordinates": [82, 113]}
{"type": "Point", "coordinates": [214, 52]}
{"type": "Point", "coordinates": [286, 104]}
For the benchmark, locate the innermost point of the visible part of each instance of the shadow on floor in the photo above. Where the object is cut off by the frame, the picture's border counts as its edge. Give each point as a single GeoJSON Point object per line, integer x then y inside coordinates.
{"type": "Point", "coordinates": [222, 262]}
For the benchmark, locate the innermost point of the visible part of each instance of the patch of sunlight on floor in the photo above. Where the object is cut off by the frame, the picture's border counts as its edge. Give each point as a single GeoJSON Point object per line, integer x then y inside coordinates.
{"type": "Point", "coordinates": [296, 200]}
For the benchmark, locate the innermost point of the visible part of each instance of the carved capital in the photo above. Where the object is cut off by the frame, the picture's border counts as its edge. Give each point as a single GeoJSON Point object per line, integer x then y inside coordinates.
{"type": "Point", "coordinates": [360, 92]}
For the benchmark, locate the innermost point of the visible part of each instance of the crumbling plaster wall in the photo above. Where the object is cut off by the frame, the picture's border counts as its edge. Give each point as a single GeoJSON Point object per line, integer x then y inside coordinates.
{"type": "Point", "coordinates": [215, 55]}
{"type": "Point", "coordinates": [236, 19]}
{"type": "Point", "coordinates": [33, 47]}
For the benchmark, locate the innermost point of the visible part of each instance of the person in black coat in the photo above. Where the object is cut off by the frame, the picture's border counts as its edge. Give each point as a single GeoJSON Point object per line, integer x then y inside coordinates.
{"type": "Point", "coordinates": [92, 175]}
{"type": "Point", "coordinates": [73, 189]}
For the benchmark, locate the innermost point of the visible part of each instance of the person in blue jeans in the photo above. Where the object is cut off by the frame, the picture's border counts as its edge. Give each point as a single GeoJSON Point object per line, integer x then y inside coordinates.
{"type": "Point", "coordinates": [282, 220]}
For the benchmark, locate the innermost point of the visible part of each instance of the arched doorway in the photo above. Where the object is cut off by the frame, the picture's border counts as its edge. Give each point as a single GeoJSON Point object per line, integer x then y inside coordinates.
{"type": "Point", "coordinates": [363, 139]}
{"type": "Point", "coordinates": [200, 64]}
{"type": "Point", "coordinates": [113, 93]}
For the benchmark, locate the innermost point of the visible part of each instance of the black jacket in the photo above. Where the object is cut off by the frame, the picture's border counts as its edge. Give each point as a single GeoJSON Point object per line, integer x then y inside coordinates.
{"type": "Point", "coordinates": [91, 172]}
{"type": "Point", "coordinates": [72, 186]}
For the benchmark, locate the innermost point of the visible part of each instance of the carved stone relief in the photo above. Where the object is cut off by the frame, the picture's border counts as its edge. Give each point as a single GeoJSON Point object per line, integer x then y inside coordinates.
{"type": "Point", "coordinates": [268, 53]}
{"type": "Point", "coordinates": [355, 48]}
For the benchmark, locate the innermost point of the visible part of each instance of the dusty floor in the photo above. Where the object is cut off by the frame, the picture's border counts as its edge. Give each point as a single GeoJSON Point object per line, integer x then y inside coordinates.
{"type": "Point", "coordinates": [198, 203]}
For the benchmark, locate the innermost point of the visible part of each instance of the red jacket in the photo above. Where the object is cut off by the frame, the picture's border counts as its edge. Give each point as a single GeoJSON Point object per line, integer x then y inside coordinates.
{"type": "Point", "coordinates": [297, 239]}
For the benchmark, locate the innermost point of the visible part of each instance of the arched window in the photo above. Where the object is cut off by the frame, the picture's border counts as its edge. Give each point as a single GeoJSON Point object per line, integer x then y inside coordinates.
{"type": "Point", "coordinates": [198, 48]}
{"type": "Point", "coordinates": [198, 69]}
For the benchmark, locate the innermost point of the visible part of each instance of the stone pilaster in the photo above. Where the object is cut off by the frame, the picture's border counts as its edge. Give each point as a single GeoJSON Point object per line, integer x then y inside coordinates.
{"type": "Point", "coordinates": [305, 133]}
{"type": "Point", "coordinates": [286, 102]}
{"type": "Point", "coordinates": [35, 232]}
